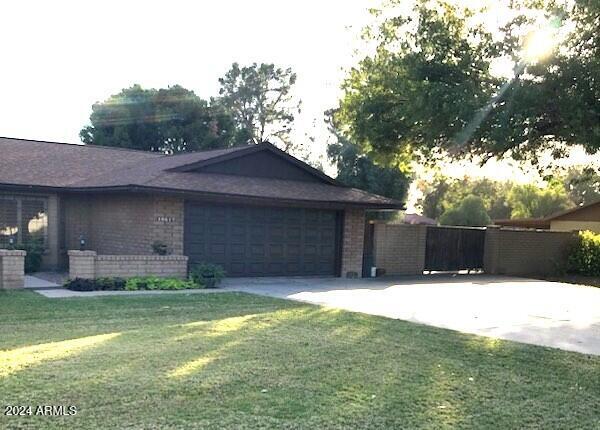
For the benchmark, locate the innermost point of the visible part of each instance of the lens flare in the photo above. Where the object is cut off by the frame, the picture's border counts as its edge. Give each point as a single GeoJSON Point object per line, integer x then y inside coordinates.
{"type": "Point", "coordinates": [539, 44]}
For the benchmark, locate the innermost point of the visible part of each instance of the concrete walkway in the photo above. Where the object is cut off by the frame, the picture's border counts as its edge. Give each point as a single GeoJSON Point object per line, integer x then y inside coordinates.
{"type": "Point", "coordinates": [63, 293]}
{"type": "Point", "coordinates": [34, 283]}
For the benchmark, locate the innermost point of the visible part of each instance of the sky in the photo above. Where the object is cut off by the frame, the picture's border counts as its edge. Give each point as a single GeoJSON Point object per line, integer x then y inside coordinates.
{"type": "Point", "coordinates": [60, 57]}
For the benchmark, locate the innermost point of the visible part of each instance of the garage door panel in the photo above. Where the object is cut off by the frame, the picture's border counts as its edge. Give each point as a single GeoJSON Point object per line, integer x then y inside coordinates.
{"type": "Point", "coordinates": [327, 234]}
{"type": "Point", "coordinates": [328, 217]}
{"type": "Point", "coordinates": [237, 249]}
{"type": "Point", "coordinates": [294, 233]}
{"type": "Point", "coordinates": [236, 269]}
{"type": "Point", "coordinates": [262, 241]}
{"type": "Point", "coordinates": [215, 213]}
{"type": "Point", "coordinates": [257, 232]}
{"type": "Point", "coordinates": [256, 269]}
{"type": "Point", "coordinates": [327, 251]}
{"type": "Point", "coordinates": [257, 250]}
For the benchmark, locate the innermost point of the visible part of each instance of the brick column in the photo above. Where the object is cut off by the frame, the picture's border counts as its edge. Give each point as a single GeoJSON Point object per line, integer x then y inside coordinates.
{"type": "Point", "coordinates": [353, 243]}
{"type": "Point", "coordinates": [82, 264]}
{"type": "Point", "coordinates": [491, 250]}
{"type": "Point", "coordinates": [12, 269]}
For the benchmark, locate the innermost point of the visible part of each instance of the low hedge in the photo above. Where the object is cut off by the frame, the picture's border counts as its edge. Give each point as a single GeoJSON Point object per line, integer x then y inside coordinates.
{"type": "Point", "coordinates": [584, 258]}
{"type": "Point", "coordinates": [131, 284]}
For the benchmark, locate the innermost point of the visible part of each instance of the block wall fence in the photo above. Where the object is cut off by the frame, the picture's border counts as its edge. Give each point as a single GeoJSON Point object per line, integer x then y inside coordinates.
{"type": "Point", "coordinates": [399, 249]}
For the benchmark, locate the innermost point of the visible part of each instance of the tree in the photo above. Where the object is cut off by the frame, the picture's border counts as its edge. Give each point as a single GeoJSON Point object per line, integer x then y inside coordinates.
{"type": "Point", "coordinates": [444, 193]}
{"type": "Point", "coordinates": [530, 201]}
{"type": "Point", "coordinates": [168, 120]}
{"type": "Point", "coordinates": [359, 171]}
{"type": "Point", "coordinates": [428, 87]}
{"type": "Point", "coordinates": [582, 185]}
{"type": "Point", "coordinates": [259, 98]}
{"type": "Point", "coordinates": [470, 211]}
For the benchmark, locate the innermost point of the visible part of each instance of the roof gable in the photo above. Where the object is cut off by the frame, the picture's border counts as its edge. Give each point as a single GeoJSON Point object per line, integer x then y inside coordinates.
{"type": "Point", "coordinates": [262, 161]}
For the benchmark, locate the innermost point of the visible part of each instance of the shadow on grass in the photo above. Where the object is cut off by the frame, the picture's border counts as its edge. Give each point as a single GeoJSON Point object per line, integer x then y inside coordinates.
{"type": "Point", "coordinates": [241, 360]}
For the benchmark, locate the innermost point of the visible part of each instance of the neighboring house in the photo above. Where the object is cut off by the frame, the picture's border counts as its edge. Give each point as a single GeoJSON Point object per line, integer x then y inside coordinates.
{"type": "Point", "coordinates": [536, 223]}
{"type": "Point", "coordinates": [254, 209]}
{"type": "Point", "coordinates": [586, 217]}
{"type": "Point", "coordinates": [415, 219]}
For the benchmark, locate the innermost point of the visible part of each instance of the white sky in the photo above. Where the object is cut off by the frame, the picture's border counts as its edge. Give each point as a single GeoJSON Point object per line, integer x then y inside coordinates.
{"type": "Point", "coordinates": [59, 57]}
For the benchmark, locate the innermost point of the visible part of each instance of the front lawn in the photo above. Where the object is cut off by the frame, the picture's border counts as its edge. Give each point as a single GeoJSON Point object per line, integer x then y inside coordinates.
{"type": "Point", "coordinates": [232, 360]}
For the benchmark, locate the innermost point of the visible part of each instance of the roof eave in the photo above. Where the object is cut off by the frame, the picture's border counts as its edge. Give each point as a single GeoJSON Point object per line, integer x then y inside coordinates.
{"type": "Point", "coordinates": [392, 205]}
{"type": "Point", "coordinates": [570, 211]}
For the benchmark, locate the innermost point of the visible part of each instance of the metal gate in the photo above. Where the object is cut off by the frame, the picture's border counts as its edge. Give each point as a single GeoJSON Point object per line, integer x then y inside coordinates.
{"type": "Point", "coordinates": [454, 248]}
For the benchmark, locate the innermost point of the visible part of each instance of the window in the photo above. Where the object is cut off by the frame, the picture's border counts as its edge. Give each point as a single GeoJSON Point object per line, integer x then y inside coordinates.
{"type": "Point", "coordinates": [22, 218]}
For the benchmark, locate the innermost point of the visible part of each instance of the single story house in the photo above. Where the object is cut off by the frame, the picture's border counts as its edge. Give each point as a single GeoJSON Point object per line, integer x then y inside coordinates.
{"type": "Point", "coordinates": [415, 219]}
{"type": "Point", "coordinates": [585, 217]}
{"type": "Point", "coordinates": [535, 223]}
{"type": "Point", "coordinates": [255, 210]}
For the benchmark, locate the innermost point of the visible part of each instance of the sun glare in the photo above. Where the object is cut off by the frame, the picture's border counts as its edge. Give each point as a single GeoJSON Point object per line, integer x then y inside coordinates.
{"type": "Point", "coordinates": [539, 44]}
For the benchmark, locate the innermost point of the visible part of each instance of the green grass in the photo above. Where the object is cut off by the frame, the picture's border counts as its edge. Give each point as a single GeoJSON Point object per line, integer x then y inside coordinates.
{"type": "Point", "coordinates": [241, 361]}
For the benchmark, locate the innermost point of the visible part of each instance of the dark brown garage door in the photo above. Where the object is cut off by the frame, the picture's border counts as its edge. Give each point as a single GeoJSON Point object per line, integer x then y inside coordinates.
{"type": "Point", "coordinates": [263, 241]}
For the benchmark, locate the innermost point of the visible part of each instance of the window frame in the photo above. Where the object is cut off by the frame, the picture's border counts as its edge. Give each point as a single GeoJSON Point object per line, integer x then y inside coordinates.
{"type": "Point", "coordinates": [19, 198]}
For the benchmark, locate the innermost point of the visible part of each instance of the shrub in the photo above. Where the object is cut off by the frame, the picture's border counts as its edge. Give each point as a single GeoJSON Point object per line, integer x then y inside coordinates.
{"type": "Point", "coordinates": [156, 283]}
{"type": "Point", "coordinates": [131, 284]}
{"type": "Point", "coordinates": [207, 274]}
{"type": "Point", "coordinates": [35, 251]}
{"type": "Point", "coordinates": [585, 255]}
{"type": "Point", "coordinates": [79, 284]}
{"type": "Point", "coordinates": [110, 284]}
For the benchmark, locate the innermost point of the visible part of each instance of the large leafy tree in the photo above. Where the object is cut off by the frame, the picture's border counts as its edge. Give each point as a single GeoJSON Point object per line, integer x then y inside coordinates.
{"type": "Point", "coordinates": [359, 171]}
{"type": "Point", "coordinates": [428, 86]}
{"type": "Point", "coordinates": [470, 211]}
{"type": "Point", "coordinates": [443, 193]}
{"type": "Point", "coordinates": [583, 185]}
{"type": "Point", "coordinates": [168, 120]}
{"type": "Point", "coordinates": [261, 101]}
{"type": "Point", "coordinates": [530, 201]}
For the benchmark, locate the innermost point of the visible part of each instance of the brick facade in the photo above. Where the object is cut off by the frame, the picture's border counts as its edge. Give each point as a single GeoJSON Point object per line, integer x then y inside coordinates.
{"type": "Point", "coordinates": [12, 269]}
{"type": "Point", "coordinates": [353, 237]}
{"type": "Point", "coordinates": [90, 265]}
{"type": "Point", "coordinates": [399, 249]}
{"type": "Point", "coordinates": [526, 252]}
{"type": "Point", "coordinates": [124, 224]}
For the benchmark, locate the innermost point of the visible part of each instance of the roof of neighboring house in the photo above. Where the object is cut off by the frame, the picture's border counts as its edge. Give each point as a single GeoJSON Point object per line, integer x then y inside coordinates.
{"type": "Point", "coordinates": [579, 210]}
{"type": "Point", "coordinates": [537, 223]}
{"type": "Point", "coordinates": [418, 219]}
{"type": "Point", "coordinates": [85, 168]}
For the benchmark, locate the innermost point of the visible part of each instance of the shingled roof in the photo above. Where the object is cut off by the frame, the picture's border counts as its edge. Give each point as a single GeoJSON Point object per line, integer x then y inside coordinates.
{"type": "Point", "coordinates": [88, 168]}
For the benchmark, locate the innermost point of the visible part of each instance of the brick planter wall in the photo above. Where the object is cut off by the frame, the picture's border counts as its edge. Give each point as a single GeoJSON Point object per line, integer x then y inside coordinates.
{"type": "Point", "coordinates": [12, 269]}
{"type": "Point", "coordinates": [89, 265]}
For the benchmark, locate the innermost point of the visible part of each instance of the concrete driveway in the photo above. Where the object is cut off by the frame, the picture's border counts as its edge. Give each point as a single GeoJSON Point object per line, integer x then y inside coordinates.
{"type": "Point", "coordinates": [538, 312]}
